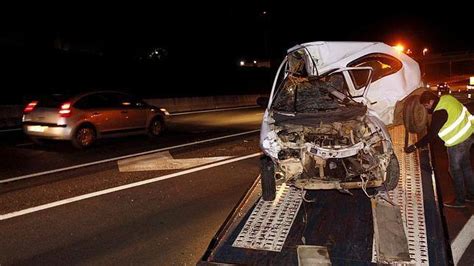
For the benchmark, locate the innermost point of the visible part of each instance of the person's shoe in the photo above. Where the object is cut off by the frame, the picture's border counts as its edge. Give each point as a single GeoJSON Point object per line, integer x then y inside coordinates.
{"type": "Point", "coordinates": [470, 198]}
{"type": "Point", "coordinates": [454, 204]}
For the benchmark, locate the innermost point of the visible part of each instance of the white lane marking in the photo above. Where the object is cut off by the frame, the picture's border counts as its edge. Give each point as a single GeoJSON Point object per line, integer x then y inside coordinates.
{"type": "Point", "coordinates": [123, 187]}
{"type": "Point", "coordinates": [462, 240]}
{"type": "Point", "coordinates": [124, 157]}
{"type": "Point", "coordinates": [213, 110]}
{"type": "Point", "coordinates": [10, 130]}
{"type": "Point", "coordinates": [163, 161]}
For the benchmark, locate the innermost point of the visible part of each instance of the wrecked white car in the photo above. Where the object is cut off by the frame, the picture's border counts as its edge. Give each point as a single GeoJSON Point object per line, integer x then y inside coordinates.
{"type": "Point", "coordinates": [322, 128]}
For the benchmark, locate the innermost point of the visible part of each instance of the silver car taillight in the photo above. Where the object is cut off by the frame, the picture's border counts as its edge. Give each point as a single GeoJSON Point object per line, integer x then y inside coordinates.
{"type": "Point", "coordinates": [30, 107]}
{"type": "Point", "coordinates": [65, 110]}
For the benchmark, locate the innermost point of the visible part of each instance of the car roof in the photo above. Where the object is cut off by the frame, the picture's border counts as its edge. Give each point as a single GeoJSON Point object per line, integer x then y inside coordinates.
{"type": "Point", "coordinates": [338, 54]}
{"type": "Point", "coordinates": [83, 94]}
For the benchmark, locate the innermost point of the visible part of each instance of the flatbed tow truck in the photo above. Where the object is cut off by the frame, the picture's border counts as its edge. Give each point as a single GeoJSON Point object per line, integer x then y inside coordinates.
{"type": "Point", "coordinates": [328, 227]}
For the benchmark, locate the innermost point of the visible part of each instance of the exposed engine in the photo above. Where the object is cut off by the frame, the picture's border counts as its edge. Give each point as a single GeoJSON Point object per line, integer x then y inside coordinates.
{"type": "Point", "coordinates": [347, 151]}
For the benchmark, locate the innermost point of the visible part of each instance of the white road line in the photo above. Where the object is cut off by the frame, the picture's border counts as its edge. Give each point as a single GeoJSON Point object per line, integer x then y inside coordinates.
{"type": "Point", "coordinates": [214, 110]}
{"type": "Point", "coordinates": [10, 130]}
{"type": "Point", "coordinates": [124, 157]}
{"type": "Point", "coordinates": [115, 189]}
{"type": "Point", "coordinates": [462, 240]}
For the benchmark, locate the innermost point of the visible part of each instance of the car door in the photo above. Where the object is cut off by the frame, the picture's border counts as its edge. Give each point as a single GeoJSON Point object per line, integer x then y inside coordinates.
{"type": "Point", "coordinates": [102, 110]}
{"type": "Point", "coordinates": [134, 111]}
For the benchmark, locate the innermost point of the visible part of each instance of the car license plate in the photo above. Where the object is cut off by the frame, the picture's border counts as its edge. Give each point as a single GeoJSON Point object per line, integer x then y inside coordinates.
{"type": "Point", "coordinates": [37, 128]}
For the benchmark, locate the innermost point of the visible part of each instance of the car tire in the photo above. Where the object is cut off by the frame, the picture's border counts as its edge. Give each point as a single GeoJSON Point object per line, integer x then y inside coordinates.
{"type": "Point", "coordinates": [84, 137]}
{"type": "Point", "coordinates": [415, 117]}
{"type": "Point", "coordinates": [393, 173]}
{"type": "Point", "coordinates": [267, 177]}
{"type": "Point", "coordinates": [155, 128]}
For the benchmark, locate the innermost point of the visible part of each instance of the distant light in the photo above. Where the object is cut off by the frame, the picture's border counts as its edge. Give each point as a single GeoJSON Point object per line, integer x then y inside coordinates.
{"type": "Point", "coordinates": [254, 61]}
{"type": "Point", "coordinates": [264, 12]}
{"type": "Point", "coordinates": [409, 51]}
{"type": "Point", "coordinates": [400, 48]}
{"type": "Point", "coordinates": [242, 63]}
{"type": "Point", "coordinates": [471, 81]}
{"type": "Point", "coordinates": [425, 51]}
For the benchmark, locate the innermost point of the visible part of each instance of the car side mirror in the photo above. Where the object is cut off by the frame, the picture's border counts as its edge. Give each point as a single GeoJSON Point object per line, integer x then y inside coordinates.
{"type": "Point", "coordinates": [262, 101]}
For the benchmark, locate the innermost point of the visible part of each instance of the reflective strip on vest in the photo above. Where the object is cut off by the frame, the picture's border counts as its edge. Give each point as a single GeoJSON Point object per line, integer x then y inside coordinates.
{"type": "Point", "coordinates": [456, 123]}
{"type": "Point", "coordinates": [459, 125]}
{"type": "Point", "coordinates": [461, 132]}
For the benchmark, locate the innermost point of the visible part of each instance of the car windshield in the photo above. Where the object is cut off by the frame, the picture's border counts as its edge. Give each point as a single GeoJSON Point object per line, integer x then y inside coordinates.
{"type": "Point", "coordinates": [311, 95]}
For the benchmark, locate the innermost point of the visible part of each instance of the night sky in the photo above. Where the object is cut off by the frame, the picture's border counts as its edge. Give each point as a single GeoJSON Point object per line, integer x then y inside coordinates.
{"type": "Point", "coordinates": [242, 28]}
{"type": "Point", "coordinates": [208, 38]}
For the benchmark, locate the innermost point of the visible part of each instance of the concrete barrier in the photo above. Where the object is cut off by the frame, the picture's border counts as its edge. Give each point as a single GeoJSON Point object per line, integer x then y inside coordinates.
{"type": "Point", "coordinates": [10, 115]}
{"type": "Point", "coordinates": [204, 103]}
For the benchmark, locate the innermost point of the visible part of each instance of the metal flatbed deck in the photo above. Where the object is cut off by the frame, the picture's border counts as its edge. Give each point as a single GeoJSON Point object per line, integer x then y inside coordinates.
{"type": "Point", "coordinates": [257, 232]}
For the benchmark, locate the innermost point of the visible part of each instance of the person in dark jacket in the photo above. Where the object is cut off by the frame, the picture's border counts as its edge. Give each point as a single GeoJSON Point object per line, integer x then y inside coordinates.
{"type": "Point", "coordinates": [452, 123]}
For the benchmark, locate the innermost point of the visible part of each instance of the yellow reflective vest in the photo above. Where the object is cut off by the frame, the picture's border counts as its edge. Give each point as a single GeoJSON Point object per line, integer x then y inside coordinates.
{"type": "Point", "coordinates": [459, 125]}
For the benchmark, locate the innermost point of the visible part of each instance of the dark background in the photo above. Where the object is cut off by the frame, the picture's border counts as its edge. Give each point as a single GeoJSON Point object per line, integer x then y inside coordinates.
{"type": "Point", "coordinates": [86, 46]}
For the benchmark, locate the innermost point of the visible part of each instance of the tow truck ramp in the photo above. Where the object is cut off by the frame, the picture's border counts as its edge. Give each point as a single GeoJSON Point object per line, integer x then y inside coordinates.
{"type": "Point", "coordinates": [300, 227]}
{"type": "Point", "coordinates": [271, 221]}
{"type": "Point", "coordinates": [408, 198]}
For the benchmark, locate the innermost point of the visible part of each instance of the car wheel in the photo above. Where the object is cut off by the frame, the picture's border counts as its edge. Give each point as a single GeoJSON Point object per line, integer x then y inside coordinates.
{"type": "Point", "coordinates": [393, 173]}
{"type": "Point", "coordinates": [268, 179]}
{"type": "Point", "coordinates": [84, 137]}
{"type": "Point", "coordinates": [415, 116]}
{"type": "Point", "coordinates": [155, 128]}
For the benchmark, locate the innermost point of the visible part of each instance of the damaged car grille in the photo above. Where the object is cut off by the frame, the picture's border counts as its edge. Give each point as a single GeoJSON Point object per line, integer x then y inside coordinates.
{"type": "Point", "coordinates": [337, 151]}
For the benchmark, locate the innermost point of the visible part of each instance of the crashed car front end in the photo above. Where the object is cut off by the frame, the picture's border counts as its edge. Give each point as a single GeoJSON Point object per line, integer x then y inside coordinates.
{"type": "Point", "coordinates": [318, 137]}
{"type": "Point", "coordinates": [346, 154]}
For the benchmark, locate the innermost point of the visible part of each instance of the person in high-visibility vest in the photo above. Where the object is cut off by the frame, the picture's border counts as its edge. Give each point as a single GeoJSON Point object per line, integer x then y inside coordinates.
{"type": "Point", "coordinates": [453, 124]}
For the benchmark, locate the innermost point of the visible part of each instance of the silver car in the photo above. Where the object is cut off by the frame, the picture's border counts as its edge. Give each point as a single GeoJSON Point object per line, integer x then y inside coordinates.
{"type": "Point", "coordinates": [84, 118]}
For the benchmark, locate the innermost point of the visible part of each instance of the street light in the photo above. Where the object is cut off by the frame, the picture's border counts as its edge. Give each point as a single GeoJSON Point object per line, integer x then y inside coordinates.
{"type": "Point", "coordinates": [425, 51]}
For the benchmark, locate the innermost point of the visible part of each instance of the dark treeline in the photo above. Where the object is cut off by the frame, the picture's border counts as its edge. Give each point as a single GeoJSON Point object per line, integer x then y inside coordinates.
{"type": "Point", "coordinates": [27, 72]}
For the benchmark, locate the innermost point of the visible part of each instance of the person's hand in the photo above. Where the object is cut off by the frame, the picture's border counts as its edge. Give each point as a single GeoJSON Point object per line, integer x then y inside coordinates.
{"type": "Point", "coordinates": [410, 148]}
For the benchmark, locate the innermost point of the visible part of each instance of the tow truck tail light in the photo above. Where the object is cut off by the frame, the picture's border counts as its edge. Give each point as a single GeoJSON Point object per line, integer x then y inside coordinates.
{"type": "Point", "coordinates": [30, 107]}
{"type": "Point", "coordinates": [65, 110]}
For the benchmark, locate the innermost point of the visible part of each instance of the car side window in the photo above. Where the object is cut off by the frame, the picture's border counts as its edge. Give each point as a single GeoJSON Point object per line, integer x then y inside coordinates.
{"type": "Point", "coordinates": [128, 101]}
{"type": "Point", "coordinates": [93, 101]}
{"type": "Point", "coordinates": [116, 100]}
{"type": "Point", "coordinates": [382, 65]}
{"type": "Point", "coordinates": [360, 77]}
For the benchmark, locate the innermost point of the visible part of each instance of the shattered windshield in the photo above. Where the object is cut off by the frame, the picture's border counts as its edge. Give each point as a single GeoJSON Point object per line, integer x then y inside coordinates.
{"type": "Point", "coordinates": [311, 95]}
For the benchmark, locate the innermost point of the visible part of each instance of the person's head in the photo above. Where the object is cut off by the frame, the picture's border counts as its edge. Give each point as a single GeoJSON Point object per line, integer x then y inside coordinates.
{"type": "Point", "coordinates": [428, 99]}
